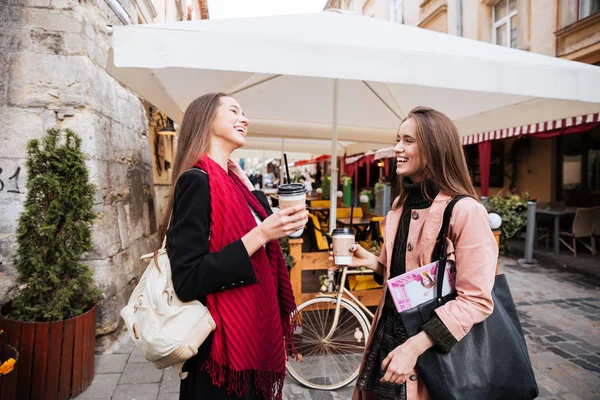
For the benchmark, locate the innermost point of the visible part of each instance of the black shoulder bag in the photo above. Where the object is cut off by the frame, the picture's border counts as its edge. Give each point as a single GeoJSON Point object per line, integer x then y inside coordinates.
{"type": "Point", "coordinates": [491, 361]}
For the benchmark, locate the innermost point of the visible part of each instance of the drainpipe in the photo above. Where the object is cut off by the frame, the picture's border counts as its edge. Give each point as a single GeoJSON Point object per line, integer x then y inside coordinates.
{"type": "Point", "coordinates": [459, 18]}
{"type": "Point", "coordinates": [119, 11]}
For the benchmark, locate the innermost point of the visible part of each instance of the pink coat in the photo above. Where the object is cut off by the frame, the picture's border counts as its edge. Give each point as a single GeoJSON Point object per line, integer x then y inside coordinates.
{"type": "Point", "coordinates": [471, 245]}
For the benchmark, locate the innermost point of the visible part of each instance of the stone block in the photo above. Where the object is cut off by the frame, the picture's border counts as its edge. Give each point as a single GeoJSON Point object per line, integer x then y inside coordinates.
{"type": "Point", "coordinates": [4, 68]}
{"type": "Point", "coordinates": [12, 39]}
{"type": "Point", "coordinates": [122, 222]}
{"type": "Point", "coordinates": [140, 247]}
{"type": "Point", "coordinates": [19, 127]}
{"type": "Point", "coordinates": [110, 363]}
{"type": "Point", "coordinates": [98, 173]}
{"type": "Point", "coordinates": [137, 199]}
{"type": "Point", "coordinates": [124, 143]}
{"type": "Point", "coordinates": [118, 181]}
{"type": "Point", "coordinates": [146, 391]}
{"type": "Point", "coordinates": [102, 386]}
{"type": "Point", "coordinates": [45, 42]}
{"type": "Point", "coordinates": [124, 345]}
{"type": "Point", "coordinates": [51, 20]}
{"type": "Point", "coordinates": [168, 396]}
{"type": "Point", "coordinates": [41, 80]}
{"type": "Point", "coordinates": [141, 373]}
{"type": "Point", "coordinates": [105, 234]}
{"type": "Point", "coordinates": [117, 278]}
{"type": "Point", "coordinates": [103, 92]}
{"type": "Point", "coordinates": [90, 31]}
{"type": "Point", "coordinates": [170, 381]}
{"type": "Point", "coordinates": [75, 44]}
{"type": "Point", "coordinates": [11, 15]}
{"type": "Point", "coordinates": [136, 357]}
{"type": "Point", "coordinates": [146, 219]}
{"type": "Point", "coordinates": [97, 54]}
{"type": "Point", "coordinates": [64, 4]}
{"type": "Point", "coordinates": [12, 188]}
{"type": "Point", "coordinates": [36, 3]}
{"type": "Point", "coordinates": [49, 119]}
{"type": "Point", "coordinates": [571, 348]}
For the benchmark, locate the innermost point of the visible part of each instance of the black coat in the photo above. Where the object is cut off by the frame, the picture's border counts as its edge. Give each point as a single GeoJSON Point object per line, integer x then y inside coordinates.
{"type": "Point", "coordinates": [197, 272]}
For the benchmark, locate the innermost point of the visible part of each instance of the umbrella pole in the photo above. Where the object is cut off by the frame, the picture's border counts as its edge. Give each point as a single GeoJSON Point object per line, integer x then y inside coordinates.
{"type": "Point", "coordinates": [334, 136]}
{"type": "Point", "coordinates": [333, 194]}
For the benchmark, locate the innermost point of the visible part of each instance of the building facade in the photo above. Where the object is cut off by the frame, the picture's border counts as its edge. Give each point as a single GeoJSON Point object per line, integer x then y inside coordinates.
{"type": "Point", "coordinates": [52, 73]}
{"type": "Point", "coordinates": [562, 167]}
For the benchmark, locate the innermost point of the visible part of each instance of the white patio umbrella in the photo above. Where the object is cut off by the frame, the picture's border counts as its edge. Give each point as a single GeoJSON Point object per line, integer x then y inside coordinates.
{"type": "Point", "coordinates": [331, 75]}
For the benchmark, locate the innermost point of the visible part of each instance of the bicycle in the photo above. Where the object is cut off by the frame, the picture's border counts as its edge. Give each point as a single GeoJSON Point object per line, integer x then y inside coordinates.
{"type": "Point", "coordinates": [332, 338]}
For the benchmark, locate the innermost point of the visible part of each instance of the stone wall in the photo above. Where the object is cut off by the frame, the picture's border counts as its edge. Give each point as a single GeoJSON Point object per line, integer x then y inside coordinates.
{"type": "Point", "coordinates": [52, 59]}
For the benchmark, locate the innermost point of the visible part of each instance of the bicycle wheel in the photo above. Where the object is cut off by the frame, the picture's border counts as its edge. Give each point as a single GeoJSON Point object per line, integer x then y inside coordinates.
{"type": "Point", "coordinates": [328, 364]}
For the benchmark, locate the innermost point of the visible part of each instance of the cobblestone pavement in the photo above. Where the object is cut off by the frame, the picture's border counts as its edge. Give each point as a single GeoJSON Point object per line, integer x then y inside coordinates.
{"type": "Point", "coordinates": [559, 311]}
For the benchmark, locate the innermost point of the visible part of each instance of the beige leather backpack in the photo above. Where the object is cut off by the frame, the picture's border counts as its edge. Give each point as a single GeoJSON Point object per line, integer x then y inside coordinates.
{"type": "Point", "coordinates": [167, 331]}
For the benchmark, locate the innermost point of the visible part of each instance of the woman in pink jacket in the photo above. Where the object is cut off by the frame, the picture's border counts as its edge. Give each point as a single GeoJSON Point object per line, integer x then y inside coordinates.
{"type": "Point", "coordinates": [432, 169]}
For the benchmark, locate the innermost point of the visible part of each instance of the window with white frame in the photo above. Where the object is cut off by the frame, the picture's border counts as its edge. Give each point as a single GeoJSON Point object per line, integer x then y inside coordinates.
{"type": "Point", "coordinates": [504, 26]}
{"type": "Point", "coordinates": [396, 11]}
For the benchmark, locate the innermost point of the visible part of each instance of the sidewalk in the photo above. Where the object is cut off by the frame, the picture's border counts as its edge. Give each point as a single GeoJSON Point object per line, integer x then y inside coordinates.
{"type": "Point", "coordinates": [559, 311]}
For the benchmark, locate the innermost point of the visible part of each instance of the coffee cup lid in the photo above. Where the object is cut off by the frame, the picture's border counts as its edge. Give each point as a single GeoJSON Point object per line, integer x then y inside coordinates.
{"type": "Point", "coordinates": [343, 231]}
{"type": "Point", "coordinates": [291, 189]}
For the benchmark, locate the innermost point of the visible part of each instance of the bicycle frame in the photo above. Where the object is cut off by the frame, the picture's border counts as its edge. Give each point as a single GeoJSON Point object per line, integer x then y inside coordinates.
{"type": "Point", "coordinates": [340, 294]}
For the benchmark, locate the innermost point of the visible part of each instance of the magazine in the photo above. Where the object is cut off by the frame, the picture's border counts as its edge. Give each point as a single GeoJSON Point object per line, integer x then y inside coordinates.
{"type": "Point", "coordinates": [419, 286]}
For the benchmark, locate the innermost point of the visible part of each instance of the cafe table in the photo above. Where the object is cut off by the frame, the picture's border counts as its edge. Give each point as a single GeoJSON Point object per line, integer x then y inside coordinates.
{"type": "Point", "coordinates": [557, 214]}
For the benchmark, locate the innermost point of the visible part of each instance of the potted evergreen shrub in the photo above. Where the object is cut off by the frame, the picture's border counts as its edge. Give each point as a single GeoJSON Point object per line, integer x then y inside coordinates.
{"type": "Point", "coordinates": [512, 208]}
{"type": "Point", "coordinates": [51, 317]}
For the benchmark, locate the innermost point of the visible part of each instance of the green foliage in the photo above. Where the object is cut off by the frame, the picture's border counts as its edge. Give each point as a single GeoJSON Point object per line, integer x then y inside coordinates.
{"type": "Point", "coordinates": [54, 232]}
{"type": "Point", "coordinates": [378, 188]}
{"type": "Point", "coordinates": [512, 208]}
{"type": "Point", "coordinates": [285, 248]}
{"type": "Point", "coordinates": [326, 187]}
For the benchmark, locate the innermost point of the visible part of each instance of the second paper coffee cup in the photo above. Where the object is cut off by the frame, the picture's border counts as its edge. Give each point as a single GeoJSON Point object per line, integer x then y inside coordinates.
{"type": "Point", "coordinates": [343, 240]}
{"type": "Point", "coordinates": [290, 195]}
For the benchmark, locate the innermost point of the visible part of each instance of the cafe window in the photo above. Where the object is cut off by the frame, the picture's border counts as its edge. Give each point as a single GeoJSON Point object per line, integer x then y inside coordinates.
{"type": "Point", "coordinates": [496, 164]}
{"type": "Point", "coordinates": [504, 26]}
{"type": "Point", "coordinates": [572, 11]}
{"type": "Point", "coordinates": [579, 168]}
{"type": "Point", "coordinates": [396, 11]}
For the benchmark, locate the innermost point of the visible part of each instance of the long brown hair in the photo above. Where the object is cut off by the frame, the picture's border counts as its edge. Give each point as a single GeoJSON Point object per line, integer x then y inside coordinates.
{"type": "Point", "coordinates": [193, 141]}
{"type": "Point", "coordinates": [440, 146]}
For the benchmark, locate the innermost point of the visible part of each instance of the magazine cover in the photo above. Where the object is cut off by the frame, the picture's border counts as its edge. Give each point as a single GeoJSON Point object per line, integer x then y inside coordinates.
{"type": "Point", "coordinates": [418, 286]}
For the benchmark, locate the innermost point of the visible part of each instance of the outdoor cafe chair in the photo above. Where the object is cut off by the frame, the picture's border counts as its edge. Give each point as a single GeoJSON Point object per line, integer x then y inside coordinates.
{"type": "Point", "coordinates": [320, 203]}
{"type": "Point", "coordinates": [583, 227]}
{"type": "Point", "coordinates": [318, 237]}
{"type": "Point", "coordinates": [596, 222]}
{"type": "Point", "coordinates": [345, 212]}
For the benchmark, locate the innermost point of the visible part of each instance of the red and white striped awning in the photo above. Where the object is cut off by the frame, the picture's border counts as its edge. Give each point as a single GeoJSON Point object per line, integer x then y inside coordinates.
{"type": "Point", "coordinates": [384, 153]}
{"type": "Point", "coordinates": [539, 127]}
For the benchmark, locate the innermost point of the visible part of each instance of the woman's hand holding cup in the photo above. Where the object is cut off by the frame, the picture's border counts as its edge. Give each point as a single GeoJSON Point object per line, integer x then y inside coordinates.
{"type": "Point", "coordinates": [284, 222]}
{"type": "Point", "coordinates": [360, 258]}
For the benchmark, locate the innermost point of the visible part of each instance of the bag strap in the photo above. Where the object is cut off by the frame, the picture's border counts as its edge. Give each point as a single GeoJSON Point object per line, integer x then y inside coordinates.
{"type": "Point", "coordinates": [164, 242]}
{"type": "Point", "coordinates": [441, 246]}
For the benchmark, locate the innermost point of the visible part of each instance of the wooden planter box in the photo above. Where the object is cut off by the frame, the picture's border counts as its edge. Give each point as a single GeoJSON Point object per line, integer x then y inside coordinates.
{"type": "Point", "coordinates": [56, 359]}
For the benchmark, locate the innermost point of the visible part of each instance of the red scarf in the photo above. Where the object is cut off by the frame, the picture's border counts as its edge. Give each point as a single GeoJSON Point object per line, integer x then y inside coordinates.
{"type": "Point", "coordinates": [254, 326]}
